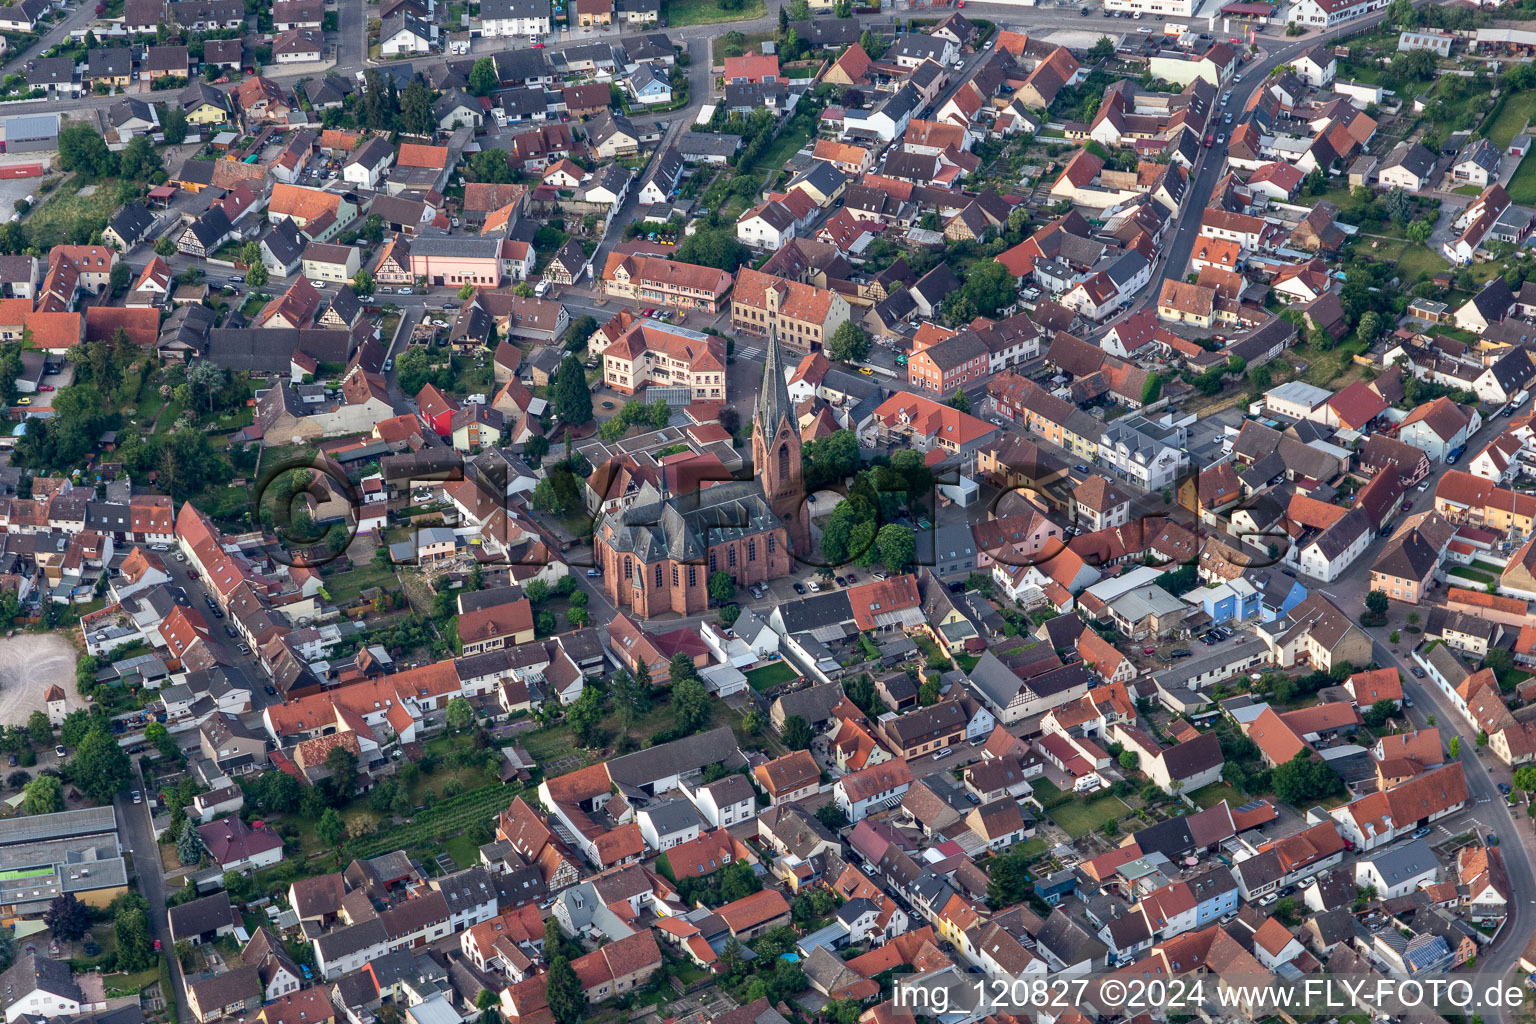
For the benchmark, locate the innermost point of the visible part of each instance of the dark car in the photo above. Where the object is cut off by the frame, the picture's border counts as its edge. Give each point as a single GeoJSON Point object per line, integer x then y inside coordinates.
{"type": "Point", "coordinates": [842, 581]}
{"type": "Point", "coordinates": [229, 631]}
{"type": "Point", "coordinates": [1180, 653]}
{"type": "Point", "coordinates": [799, 588]}
{"type": "Point", "coordinates": [271, 690]}
{"type": "Point", "coordinates": [1418, 672]}
{"type": "Point", "coordinates": [852, 578]}
{"type": "Point", "coordinates": [13, 760]}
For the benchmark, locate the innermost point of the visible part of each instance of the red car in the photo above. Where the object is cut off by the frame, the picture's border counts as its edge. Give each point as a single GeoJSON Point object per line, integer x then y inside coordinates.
{"type": "Point", "coordinates": [45, 387]}
{"type": "Point", "coordinates": [1407, 506]}
{"type": "Point", "coordinates": [538, 46]}
{"type": "Point", "coordinates": [157, 945]}
{"type": "Point", "coordinates": [192, 574]}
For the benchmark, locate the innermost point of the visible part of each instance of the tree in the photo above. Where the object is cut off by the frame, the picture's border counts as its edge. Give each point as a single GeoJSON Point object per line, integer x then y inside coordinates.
{"type": "Point", "coordinates": [831, 815]}
{"type": "Point", "coordinates": [1525, 777]}
{"type": "Point", "coordinates": [67, 917]}
{"type": "Point", "coordinates": [960, 400]}
{"type": "Point", "coordinates": [850, 343]}
{"type": "Point", "coordinates": [363, 284]}
{"type": "Point", "coordinates": [173, 122]}
{"type": "Point", "coordinates": [897, 546]}
{"type": "Point", "coordinates": [165, 245]}
{"type": "Point", "coordinates": [535, 448]}
{"type": "Point", "coordinates": [459, 715]}
{"type": "Point", "coordinates": [1316, 182]}
{"type": "Point", "coordinates": [330, 828]}
{"type": "Point", "coordinates": [1008, 879]}
{"type": "Point", "coordinates": [39, 728]}
{"type": "Point", "coordinates": [83, 151]}
{"type": "Point", "coordinates": [721, 587]}
{"type": "Point", "coordinates": [491, 166]}
{"type": "Point", "coordinates": [1419, 231]}
{"type": "Point", "coordinates": [690, 704]}
{"type": "Point", "coordinates": [43, 795]}
{"type": "Point", "coordinates": [988, 287]}
{"type": "Point", "coordinates": [189, 845]}
{"type": "Point", "coordinates": [563, 992]}
{"type": "Point", "coordinates": [120, 277]}
{"type": "Point", "coordinates": [256, 274]}
{"type": "Point", "coordinates": [1130, 760]}
{"type": "Point", "coordinates": [928, 693]}
{"type": "Point", "coordinates": [1455, 747]}
{"type": "Point", "coordinates": [1369, 326]}
{"type": "Point", "coordinates": [342, 765]}
{"type": "Point", "coordinates": [138, 161]}
{"type": "Point", "coordinates": [797, 733]}
{"type": "Point", "coordinates": [1102, 50]}
{"type": "Point", "coordinates": [483, 79]}
{"type": "Point", "coordinates": [585, 716]}
{"type": "Point", "coordinates": [714, 247]}
{"type": "Point", "coordinates": [130, 923]}
{"type": "Point", "coordinates": [100, 767]}
{"type": "Point", "coordinates": [572, 399]}
{"type": "Point", "coordinates": [1305, 777]}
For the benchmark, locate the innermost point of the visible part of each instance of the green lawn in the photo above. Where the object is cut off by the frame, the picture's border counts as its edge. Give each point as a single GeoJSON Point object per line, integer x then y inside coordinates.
{"type": "Point", "coordinates": [729, 45]}
{"type": "Point", "coordinates": [1522, 185]}
{"type": "Point", "coordinates": [765, 678]}
{"type": "Point", "coordinates": [1215, 793]}
{"type": "Point", "coordinates": [67, 217]}
{"type": "Point", "coordinates": [1081, 817]}
{"type": "Point", "coordinates": [1462, 572]}
{"type": "Point", "coordinates": [344, 587]}
{"type": "Point", "coordinates": [678, 13]}
{"type": "Point", "coordinates": [463, 850]}
{"type": "Point", "coordinates": [967, 662]}
{"type": "Point", "coordinates": [1420, 259]}
{"type": "Point", "coordinates": [1516, 113]}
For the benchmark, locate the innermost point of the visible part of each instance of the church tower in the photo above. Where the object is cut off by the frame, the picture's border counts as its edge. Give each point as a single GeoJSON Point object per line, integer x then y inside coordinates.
{"type": "Point", "coordinates": [776, 444]}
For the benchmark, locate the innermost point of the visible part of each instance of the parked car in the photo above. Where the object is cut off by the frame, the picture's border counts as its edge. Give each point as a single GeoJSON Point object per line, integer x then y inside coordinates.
{"type": "Point", "coordinates": [799, 588]}
{"type": "Point", "coordinates": [1180, 653]}
{"type": "Point", "coordinates": [594, 573]}
{"type": "Point", "coordinates": [942, 754]}
{"type": "Point", "coordinates": [1418, 673]}
{"type": "Point", "coordinates": [59, 750]}
{"type": "Point", "coordinates": [271, 690]}
{"type": "Point", "coordinates": [138, 797]}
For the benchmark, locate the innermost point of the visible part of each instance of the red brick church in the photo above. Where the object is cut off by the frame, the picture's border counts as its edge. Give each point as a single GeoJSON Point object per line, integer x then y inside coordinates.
{"type": "Point", "coordinates": [658, 554]}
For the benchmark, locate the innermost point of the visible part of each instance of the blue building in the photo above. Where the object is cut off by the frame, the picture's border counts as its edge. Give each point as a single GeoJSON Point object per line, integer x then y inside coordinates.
{"type": "Point", "coordinates": [1278, 593]}
{"type": "Point", "coordinates": [1215, 894]}
{"type": "Point", "coordinates": [1233, 601]}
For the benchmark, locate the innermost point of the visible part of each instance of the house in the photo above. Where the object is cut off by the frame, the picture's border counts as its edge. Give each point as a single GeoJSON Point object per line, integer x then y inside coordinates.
{"type": "Point", "coordinates": [508, 18]}
{"type": "Point", "coordinates": [1398, 870]}
{"type": "Point", "coordinates": [1477, 164]}
{"type": "Point", "coordinates": [1439, 427]}
{"type": "Point", "coordinates": [203, 920]}
{"type": "Point", "coordinates": [1316, 67]}
{"type": "Point", "coordinates": [36, 987]}
{"type": "Point", "coordinates": [235, 846]}
{"type": "Point", "coordinates": [1409, 166]}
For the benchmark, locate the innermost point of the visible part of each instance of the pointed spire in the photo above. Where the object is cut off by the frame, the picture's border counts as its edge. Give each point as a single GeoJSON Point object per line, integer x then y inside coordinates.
{"type": "Point", "coordinates": [773, 399]}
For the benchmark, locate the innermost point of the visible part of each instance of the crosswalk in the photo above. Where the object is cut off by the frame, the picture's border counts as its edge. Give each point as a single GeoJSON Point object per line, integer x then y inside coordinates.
{"type": "Point", "coordinates": [751, 352]}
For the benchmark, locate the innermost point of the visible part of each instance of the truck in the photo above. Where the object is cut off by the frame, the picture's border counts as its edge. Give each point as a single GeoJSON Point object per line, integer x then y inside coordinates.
{"type": "Point", "coordinates": [1516, 402]}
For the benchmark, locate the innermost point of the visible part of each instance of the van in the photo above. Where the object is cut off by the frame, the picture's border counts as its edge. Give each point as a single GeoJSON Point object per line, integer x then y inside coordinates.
{"type": "Point", "coordinates": [541, 289]}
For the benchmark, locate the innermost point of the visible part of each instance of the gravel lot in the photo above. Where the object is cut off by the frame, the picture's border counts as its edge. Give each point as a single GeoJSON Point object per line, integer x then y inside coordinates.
{"type": "Point", "coordinates": [29, 664]}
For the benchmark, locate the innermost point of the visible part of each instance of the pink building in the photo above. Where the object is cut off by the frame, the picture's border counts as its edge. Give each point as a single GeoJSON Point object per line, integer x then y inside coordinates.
{"type": "Point", "coordinates": [457, 261]}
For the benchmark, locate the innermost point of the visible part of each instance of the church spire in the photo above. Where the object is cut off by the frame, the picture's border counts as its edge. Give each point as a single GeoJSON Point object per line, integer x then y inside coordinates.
{"type": "Point", "coordinates": [773, 399]}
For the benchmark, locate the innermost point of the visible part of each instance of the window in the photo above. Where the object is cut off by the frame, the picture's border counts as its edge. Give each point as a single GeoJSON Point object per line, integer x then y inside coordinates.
{"type": "Point", "coordinates": [629, 568]}
{"type": "Point", "coordinates": [711, 561]}
{"type": "Point", "coordinates": [693, 575]}
{"type": "Point", "coordinates": [674, 575]}
{"type": "Point", "coordinates": [783, 461]}
{"type": "Point", "coordinates": [752, 550]}
{"type": "Point", "coordinates": [730, 557]}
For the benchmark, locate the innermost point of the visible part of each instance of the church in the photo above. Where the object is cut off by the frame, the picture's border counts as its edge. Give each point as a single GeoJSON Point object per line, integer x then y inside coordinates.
{"type": "Point", "coordinates": [658, 554]}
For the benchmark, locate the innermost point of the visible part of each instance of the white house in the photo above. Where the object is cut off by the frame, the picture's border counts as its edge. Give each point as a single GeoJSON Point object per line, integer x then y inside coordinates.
{"type": "Point", "coordinates": [862, 792]}
{"type": "Point", "coordinates": [767, 227]}
{"type": "Point", "coordinates": [368, 163]}
{"type": "Point", "coordinates": [505, 18]}
{"type": "Point", "coordinates": [36, 986]}
{"type": "Point", "coordinates": [669, 823]}
{"type": "Point", "coordinates": [1329, 13]}
{"type": "Point", "coordinates": [1316, 67]}
{"type": "Point", "coordinates": [1399, 869]}
{"type": "Point", "coordinates": [724, 802]}
{"type": "Point", "coordinates": [405, 33]}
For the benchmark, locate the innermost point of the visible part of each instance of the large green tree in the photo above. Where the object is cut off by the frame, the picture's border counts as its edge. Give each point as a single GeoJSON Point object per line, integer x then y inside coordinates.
{"type": "Point", "coordinates": [850, 343]}
{"type": "Point", "coordinates": [572, 398]}
{"type": "Point", "coordinates": [690, 705]}
{"type": "Point", "coordinates": [563, 992]}
{"type": "Point", "coordinates": [43, 795]}
{"type": "Point", "coordinates": [482, 77]}
{"type": "Point", "coordinates": [100, 767]}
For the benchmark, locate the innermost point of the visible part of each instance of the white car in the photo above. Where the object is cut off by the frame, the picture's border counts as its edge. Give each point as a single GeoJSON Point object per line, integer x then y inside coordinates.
{"type": "Point", "coordinates": [813, 587]}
